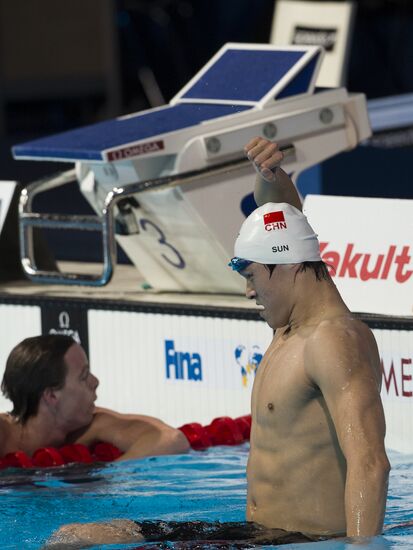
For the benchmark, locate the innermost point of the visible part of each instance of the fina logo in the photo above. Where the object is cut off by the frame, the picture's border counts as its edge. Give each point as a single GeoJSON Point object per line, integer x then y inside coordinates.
{"type": "Point", "coordinates": [183, 364]}
{"type": "Point", "coordinates": [248, 361]}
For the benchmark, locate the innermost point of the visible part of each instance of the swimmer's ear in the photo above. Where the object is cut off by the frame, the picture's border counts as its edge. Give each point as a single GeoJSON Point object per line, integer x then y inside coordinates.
{"type": "Point", "coordinates": [50, 397]}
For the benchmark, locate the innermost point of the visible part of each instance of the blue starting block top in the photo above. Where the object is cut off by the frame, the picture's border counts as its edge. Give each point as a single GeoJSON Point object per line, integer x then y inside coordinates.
{"type": "Point", "coordinates": [242, 76]}
{"type": "Point", "coordinates": [92, 142]}
{"type": "Point", "coordinates": [238, 78]}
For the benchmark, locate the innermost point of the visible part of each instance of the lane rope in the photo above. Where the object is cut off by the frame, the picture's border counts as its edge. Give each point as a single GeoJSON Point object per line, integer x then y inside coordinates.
{"type": "Point", "coordinates": [221, 431]}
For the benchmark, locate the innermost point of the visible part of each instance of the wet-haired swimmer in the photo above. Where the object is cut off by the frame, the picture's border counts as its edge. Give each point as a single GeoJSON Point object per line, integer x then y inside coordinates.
{"type": "Point", "coordinates": [49, 382]}
{"type": "Point", "coordinates": [317, 463]}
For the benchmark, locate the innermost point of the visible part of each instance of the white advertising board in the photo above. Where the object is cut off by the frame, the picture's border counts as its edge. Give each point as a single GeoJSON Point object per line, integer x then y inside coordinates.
{"type": "Point", "coordinates": [368, 243]}
{"type": "Point", "coordinates": [396, 354]}
{"type": "Point", "coordinates": [181, 368]}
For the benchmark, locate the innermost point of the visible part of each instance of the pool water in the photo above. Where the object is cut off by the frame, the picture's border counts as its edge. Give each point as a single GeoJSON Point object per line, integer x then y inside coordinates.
{"type": "Point", "coordinates": [208, 486]}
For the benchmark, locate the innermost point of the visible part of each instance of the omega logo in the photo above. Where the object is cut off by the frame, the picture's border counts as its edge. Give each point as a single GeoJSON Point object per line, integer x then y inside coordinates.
{"type": "Point", "coordinates": [64, 320]}
{"type": "Point", "coordinates": [64, 327]}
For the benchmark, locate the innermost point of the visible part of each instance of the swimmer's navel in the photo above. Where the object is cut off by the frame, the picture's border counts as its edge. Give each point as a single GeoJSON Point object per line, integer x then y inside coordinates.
{"type": "Point", "coordinates": [270, 407]}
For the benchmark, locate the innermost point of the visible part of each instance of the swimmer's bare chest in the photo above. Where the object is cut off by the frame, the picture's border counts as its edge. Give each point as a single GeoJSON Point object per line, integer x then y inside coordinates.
{"type": "Point", "coordinates": [283, 394]}
{"type": "Point", "coordinates": [295, 459]}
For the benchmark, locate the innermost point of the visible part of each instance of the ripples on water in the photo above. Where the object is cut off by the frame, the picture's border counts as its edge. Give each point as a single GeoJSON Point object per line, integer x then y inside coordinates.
{"type": "Point", "coordinates": [199, 486]}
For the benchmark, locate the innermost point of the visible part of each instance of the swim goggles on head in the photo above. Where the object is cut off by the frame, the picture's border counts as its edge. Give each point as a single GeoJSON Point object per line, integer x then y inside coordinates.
{"type": "Point", "coordinates": [239, 264]}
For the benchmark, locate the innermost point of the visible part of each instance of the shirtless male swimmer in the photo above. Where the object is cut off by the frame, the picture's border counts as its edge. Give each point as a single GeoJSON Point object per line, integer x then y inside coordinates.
{"type": "Point", "coordinates": [53, 392]}
{"type": "Point", "coordinates": [317, 462]}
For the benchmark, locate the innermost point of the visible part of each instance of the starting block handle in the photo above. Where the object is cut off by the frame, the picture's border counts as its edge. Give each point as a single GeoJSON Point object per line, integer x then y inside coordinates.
{"type": "Point", "coordinates": [29, 220]}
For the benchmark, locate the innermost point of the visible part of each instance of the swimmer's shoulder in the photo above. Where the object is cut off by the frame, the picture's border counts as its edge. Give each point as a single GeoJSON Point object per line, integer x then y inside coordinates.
{"type": "Point", "coordinates": [342, 339]}
{"type": "Point", "coordinates": [341, 326]}
{"type": "Point", "coordinates": [103, 415]}
{"type": "Point", "coordinates": [106, 421]}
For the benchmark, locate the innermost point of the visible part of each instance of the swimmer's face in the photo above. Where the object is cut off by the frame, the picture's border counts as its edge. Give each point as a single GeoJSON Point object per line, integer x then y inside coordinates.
{"type": "Point", "coordinates": [75, 401]}
{"type": "Point", "coordinates": [270, 291]}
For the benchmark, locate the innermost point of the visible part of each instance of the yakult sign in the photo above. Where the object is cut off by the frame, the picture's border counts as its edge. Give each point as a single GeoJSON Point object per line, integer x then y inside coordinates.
{"type": "Point", "coordinates": [368, 243]}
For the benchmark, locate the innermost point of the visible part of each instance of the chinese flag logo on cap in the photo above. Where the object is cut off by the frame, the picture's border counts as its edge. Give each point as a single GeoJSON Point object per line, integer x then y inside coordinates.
{"type": "Point", "coordinates": [274, 217]}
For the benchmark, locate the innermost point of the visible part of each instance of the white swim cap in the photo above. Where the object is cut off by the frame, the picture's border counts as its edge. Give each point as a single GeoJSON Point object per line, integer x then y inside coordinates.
{"type": "Point", "coordinates": [276, 233]}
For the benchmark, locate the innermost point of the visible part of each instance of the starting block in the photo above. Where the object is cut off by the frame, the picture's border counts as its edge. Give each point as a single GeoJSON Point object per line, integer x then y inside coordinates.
{"type": "Point", "coordinates": [171, 185]}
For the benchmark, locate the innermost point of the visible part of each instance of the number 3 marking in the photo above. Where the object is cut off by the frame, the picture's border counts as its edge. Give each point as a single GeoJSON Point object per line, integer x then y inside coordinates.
{"type": "Point", "coordinates": [179, 262]}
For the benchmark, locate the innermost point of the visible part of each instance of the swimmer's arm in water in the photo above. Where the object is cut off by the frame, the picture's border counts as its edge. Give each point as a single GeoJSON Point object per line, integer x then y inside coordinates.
{"type": "Point", "coordinates": [136, 436]}
{"type": "Point", "coordinates": [84, 535]}
{"type": "Point", "coordinates": [272, 183]}
{"type": "Point", "coordinates": [338, 363]}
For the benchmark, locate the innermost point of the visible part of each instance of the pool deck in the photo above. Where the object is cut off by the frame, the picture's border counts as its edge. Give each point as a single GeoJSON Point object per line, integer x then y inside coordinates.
{"type": "Point", "coordinates": [125, 287]}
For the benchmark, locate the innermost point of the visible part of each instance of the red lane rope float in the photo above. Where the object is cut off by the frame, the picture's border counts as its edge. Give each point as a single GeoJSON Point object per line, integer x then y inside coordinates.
{"type": "Point", "coordinates": [197, 436]}
{"type": "Point", "coordinates": [105, 452]}
{"type": "Point", "coordinates": [222, 431]}
{"type": "Point", "coordinates": [19, 459]}
{"type": "Point", "coordinates": [76, 453]}
{"type": "Point", "coordinates": [244, 424]}
{"type": "Point", "coordinates": [48, 457]}
{"type": "Point", "coordinates": [225, 431]}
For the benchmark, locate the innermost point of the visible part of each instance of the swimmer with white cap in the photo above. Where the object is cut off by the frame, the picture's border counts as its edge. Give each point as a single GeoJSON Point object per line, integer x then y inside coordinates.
{"type": "Point", "coordinates": [317, 462]}
{"type": "Point", "coordinates": [276, 233]}
{"type": "Point", "coordinates": [317, 466]}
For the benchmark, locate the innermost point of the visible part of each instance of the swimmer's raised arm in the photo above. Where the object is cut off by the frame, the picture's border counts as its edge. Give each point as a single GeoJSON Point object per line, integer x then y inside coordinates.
{"type": "Point", "coordinates": [272, 183]}
{"type": "Point", "coordinates": [136, 436]}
